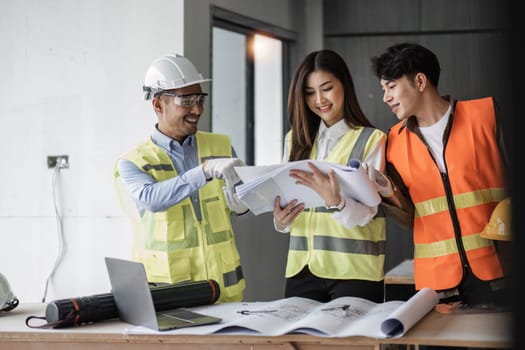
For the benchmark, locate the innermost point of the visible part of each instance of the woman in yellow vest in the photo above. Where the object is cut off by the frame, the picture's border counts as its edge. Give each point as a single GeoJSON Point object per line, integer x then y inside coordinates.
{"type": "Point", "coordinates": [445, 157]}
{"type": "Point", "coordinates": [337, 250]}
{"type": "Point", "coordinates": [177, 187]}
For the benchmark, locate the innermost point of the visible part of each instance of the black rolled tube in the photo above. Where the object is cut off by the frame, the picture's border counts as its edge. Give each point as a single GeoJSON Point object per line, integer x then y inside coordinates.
{"type": "Point", "coordinates": [85, 309]}
{"type": "Point", "coordinates": [185, 294]}
{"type": "Point", "coordinates": [98, 307]}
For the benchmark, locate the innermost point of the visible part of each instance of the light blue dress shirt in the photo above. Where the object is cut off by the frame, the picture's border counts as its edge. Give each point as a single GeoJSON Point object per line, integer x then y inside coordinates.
{"type": "Point", "coordinates": [155, 196]}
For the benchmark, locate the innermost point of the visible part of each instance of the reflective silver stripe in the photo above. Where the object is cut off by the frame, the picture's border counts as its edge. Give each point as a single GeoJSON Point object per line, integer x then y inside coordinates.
{"type": "Point", "coordinates": [358, 150]}
{"type": "Point", "coordinates": [298, 243]}
{"type": "Point", "coordinates": [233, 277]}
{"type": "Point", "coordinates": [346, 245]}
{"type": "Point", "coordinates": [217, 236]}
{"type": "Point", "coordinates": [158, 167]}
{"type": "Point", "coordinates": [318, 209]}
{"type": "Point", "coordinates": [349, 245]}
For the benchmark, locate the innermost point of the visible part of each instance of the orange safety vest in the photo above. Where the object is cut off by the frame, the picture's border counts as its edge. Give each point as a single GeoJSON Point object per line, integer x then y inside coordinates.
{"type": "Point", "coordinates": [451, 209]}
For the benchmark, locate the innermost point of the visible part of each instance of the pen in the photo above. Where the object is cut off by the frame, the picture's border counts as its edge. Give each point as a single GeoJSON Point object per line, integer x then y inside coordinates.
{"type": "Point", "coordinates": [249, 312]}
{"type": "Point", "coordinates": [345, 308]}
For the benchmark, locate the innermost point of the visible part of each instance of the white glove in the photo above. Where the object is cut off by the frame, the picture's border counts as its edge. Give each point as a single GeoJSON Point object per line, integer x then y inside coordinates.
{"type": "Point", "coordinates": [232, 200]}
{"type": "Point", "coordinates": [222, 168]}
{"type": "Point", "coordinates": [383, 183]}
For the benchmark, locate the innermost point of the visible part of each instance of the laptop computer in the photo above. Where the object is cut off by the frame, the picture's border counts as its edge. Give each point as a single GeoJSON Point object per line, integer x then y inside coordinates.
{"type": "Point", "coordinates": [134, 300]}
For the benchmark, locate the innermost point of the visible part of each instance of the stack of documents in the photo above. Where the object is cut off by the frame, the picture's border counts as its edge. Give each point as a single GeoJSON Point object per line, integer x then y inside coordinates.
{"type": "Point", "coordinates": [261, 184]}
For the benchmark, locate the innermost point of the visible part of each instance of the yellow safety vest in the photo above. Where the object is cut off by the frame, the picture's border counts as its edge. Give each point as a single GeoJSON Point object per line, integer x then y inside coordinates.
{"type": "Point", "coordinates": [330, 249]}
{"type": "Point", "coordinates": [173, 245]}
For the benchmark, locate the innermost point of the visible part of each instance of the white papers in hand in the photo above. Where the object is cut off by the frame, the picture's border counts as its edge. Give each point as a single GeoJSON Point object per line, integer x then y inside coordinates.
{"type": "Point", "coordinates": [261, 184]}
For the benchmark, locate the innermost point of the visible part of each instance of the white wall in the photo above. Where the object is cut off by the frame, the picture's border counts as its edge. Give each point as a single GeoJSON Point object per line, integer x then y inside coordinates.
{"type": "Point", "coordinates": [72, 74]}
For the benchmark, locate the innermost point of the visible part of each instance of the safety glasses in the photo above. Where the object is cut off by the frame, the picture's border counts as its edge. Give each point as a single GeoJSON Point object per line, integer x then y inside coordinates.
{"type": "Point", "coordinates": [188, 100]}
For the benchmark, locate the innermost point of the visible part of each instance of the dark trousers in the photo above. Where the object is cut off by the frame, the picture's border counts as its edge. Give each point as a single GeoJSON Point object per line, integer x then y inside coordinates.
{"type": "Point", "coordinates": [306, 285]}
{"type": "Point", "coordinates": [473, 291]}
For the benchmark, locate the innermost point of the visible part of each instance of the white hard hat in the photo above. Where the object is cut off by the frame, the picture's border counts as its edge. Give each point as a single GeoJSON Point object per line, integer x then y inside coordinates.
{"type": "Point", "coordinates": [8, 301]}
{"type": "Point", "coordinates": [168, 72]}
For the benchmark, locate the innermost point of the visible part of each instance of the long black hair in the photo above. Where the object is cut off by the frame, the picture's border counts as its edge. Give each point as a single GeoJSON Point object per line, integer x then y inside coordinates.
{"type": "Point", "coordinates": [305, 122]}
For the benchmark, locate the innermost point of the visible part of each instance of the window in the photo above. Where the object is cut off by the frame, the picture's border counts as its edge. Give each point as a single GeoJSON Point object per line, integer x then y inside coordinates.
{"type": "Point", "coordinates": [230, 76]}
{"type": "Point", "coordinates": [268, 75]}
{"type": "Point", "coordinates": [249, 86]}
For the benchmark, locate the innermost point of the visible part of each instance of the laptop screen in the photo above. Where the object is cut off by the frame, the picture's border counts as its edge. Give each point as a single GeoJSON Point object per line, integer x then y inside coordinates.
{"type": "Point", "coordinates": [131, 291]}
{"type": "Point", "coordinates": [134, 300]}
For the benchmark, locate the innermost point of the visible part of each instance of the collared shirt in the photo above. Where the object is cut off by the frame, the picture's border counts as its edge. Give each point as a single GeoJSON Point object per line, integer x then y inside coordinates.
{"type": "Point", "coordinates": [152, 195]}
{"type": "Point", "coordinates": [328, 137]}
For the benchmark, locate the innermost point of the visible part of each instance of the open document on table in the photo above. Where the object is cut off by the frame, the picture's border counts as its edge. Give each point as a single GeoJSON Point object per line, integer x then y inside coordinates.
{"type": "Point", "coordinates": [341, 317]}
{"type": "Point", "coordinates": [261, 184]}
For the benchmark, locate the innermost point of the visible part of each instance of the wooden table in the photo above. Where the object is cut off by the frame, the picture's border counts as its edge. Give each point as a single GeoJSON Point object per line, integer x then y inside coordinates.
{"type": "Point", "coordinates": [488, 330]}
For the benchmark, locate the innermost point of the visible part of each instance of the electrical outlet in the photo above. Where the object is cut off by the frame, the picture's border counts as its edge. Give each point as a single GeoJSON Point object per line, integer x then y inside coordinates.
{"type": "Point", "coordinates": [63, 161]}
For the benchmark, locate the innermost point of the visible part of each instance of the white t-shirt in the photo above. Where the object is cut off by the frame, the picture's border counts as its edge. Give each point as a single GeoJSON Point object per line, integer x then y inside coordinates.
{"type": "Point", "coordinates": [433, 135]}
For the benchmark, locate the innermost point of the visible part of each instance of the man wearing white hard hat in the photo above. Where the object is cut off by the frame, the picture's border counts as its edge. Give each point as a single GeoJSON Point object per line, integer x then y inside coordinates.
{"type": "Point", "coordinates": [177, 186]}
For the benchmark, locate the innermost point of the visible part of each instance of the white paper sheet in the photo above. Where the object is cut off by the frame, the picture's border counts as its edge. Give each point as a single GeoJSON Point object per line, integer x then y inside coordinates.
{"type": "Point", "coordinates": [261, 184]}
{"type": "Point", "coordinates": [342, 317]}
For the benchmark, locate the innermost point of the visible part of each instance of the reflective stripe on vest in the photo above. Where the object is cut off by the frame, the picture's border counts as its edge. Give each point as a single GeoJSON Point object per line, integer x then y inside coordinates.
{"type": "Point", "coordinates": [344, 245]}
{"type": "Point", "coordinates": [452, 205]}
{"type": "Point", "coordinates": [449, 246]}
{"type": "Point", "coordinates": [319, 241]}
{"type": "Point", "coordinates": [461, 201]}
{"type": "Point", "coordinates": [173, 245]}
